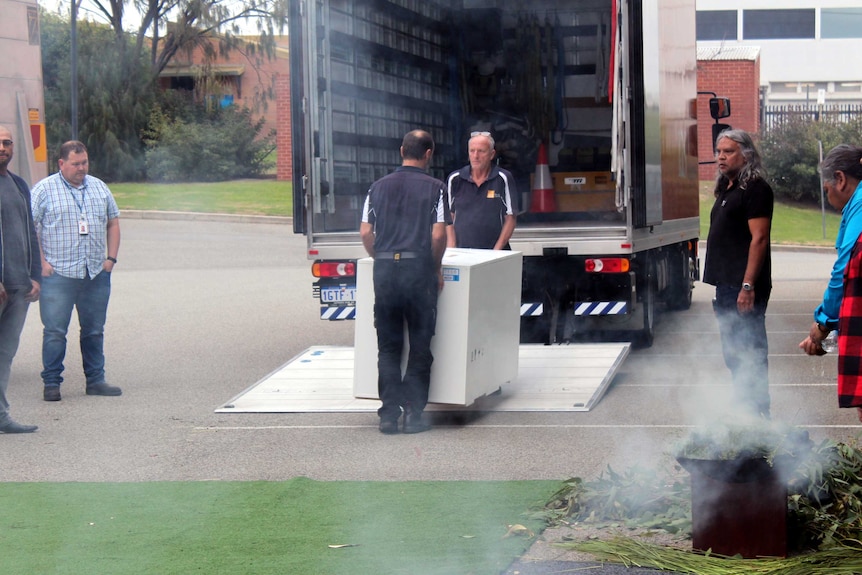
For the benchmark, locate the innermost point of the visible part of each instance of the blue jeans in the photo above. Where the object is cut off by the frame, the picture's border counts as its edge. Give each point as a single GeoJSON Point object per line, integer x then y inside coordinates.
{"type": "Point", "coordinates": [12, 316]}
{"type": "Point", "coordinates": [59, 296]}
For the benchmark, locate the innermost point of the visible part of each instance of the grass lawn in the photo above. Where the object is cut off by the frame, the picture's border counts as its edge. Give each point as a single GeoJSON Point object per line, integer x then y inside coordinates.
{"type": "Point", "coordinates": [226, 527]}
{"type": "Point", "coordinates": [247, 197]}
{"type": "Point", "coordinates": [791, 224]}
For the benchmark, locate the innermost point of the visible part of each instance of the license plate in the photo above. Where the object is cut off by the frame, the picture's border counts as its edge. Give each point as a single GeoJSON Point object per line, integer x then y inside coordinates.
{"type": "Point", "coordinates": [337, 294]}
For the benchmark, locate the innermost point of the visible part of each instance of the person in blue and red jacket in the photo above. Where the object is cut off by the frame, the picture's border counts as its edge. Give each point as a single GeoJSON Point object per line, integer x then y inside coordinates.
{"type": "Point", "coordinates": [841, 171]}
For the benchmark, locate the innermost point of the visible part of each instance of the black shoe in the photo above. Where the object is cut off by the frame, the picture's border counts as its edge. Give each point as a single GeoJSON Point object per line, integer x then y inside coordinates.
{"type": "Point", "coordinates": [15, 427]}
{"type": "Point", "coordinates": [103, 389]}
{"type": "Point", "coordinates": [415, 423]}
{"type": "Point", "coordinates": [388, 426]}
{"type": "Point", "coordinates": [51, 393]}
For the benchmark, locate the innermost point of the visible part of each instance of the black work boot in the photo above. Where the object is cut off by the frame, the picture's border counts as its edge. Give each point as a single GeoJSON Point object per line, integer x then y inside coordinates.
{"type": "Point", "coordinates": [414, 422]}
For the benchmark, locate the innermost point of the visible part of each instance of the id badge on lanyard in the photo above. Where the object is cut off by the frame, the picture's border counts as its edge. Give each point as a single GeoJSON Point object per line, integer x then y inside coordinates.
{"type": "Point", "coordinates": [83, 226]}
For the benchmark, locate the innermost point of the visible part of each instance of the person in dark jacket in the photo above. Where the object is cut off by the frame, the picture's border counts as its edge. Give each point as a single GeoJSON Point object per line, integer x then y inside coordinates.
{"type": "Point", "coordinates": [841, 171]}
{"type": "Point", "coordinates": [20, 272]}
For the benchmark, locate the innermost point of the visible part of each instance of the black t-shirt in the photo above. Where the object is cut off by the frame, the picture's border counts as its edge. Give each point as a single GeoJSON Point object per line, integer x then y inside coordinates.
{"type": "Point", "coordinates": [730, 238]}
{"type": "Point", "coordinates": [403, 206]}
{"type": "Point", "coordinates": [480, 210]}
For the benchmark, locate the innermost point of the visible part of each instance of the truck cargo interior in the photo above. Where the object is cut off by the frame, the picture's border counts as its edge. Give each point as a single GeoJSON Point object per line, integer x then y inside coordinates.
{"type": "Point", "coordinates": [528, 72]}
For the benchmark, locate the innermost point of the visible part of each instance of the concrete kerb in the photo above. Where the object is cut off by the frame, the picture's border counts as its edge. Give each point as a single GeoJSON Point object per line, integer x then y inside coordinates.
{"type": "Point", "coordinates": [701, 246]}
{"type": "Point", "coordinates": [204, 217]}
{"type": "Point", "coordinates": [288, 220]}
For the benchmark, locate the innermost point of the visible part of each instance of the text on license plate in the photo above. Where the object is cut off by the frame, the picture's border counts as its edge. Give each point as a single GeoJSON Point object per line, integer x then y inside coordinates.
{"type": "Point", "coordinates": [337, 294]}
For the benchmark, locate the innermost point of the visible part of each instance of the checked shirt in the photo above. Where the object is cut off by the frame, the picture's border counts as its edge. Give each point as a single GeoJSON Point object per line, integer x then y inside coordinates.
{"type": "Point", "coordinates": [850, 333]}
{"type": "Point", "coordinates": [57, 210]}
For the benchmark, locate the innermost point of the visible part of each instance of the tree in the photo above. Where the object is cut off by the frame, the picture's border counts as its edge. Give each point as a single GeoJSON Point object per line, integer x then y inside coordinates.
{"type": "Point", "coordinates": [194, 151]}
{"type": "Point", "coordinates": [164, 27]}
{"type": "Point", "coordinates": [115, 96]}
{"type": "Point", "coordinates": [119, 65]}
{"type": "Point", "coordinates": [791, 153]}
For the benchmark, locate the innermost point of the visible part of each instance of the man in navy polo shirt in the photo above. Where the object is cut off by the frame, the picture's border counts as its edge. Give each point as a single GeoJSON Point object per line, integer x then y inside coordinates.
{"type": "Point", "coordinates": [404, 229]}
{"type": "Point", "coordinates": [480, 197]}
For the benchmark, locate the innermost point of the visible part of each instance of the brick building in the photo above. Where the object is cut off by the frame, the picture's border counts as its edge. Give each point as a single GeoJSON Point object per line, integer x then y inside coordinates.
{"type": "Point", "coordinates": [243, 79]}
{"type": "Point", "coordinates": [734, 73]}
{"type": "Point", "coordinates": [806, 46]}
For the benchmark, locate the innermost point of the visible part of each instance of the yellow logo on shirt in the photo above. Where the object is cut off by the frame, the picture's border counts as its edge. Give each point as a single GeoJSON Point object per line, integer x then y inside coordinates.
{"type": "Point", "coordinates": [491, 195]}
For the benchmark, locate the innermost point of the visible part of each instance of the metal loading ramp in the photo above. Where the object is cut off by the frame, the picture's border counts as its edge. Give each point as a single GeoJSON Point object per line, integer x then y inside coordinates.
{"type": "Point", "coordinates": [550, 378]}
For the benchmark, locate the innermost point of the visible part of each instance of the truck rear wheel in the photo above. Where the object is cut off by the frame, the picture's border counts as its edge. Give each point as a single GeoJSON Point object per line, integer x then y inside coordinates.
{"type": "Point", "coordinates": [679, 288]}
{"type": "Point", "coordinates": [645, 336]}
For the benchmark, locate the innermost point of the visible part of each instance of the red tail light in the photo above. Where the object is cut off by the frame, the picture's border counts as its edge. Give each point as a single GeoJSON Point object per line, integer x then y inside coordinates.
{"type": "Point", "coordinates": [607, 265]}
{"type": "Point", "coordinates": [333, 269]}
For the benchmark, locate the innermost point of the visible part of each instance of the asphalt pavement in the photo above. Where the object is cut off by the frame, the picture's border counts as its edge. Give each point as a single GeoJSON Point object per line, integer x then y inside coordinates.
{"type": "Point", "coordinates": [203, 308]}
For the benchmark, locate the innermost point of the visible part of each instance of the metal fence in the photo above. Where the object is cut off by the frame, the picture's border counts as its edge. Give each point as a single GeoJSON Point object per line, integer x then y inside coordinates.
{"type": "Point", "coordinates": [777, 114]}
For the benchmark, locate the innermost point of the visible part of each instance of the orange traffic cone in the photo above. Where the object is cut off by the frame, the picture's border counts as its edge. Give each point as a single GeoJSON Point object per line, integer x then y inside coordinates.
{"type": "Point", "coordinates": [543, 189]}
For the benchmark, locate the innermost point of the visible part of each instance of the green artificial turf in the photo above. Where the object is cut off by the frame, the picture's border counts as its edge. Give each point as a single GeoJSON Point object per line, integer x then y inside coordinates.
{"type": "Point", "coordinates": [412, 528]}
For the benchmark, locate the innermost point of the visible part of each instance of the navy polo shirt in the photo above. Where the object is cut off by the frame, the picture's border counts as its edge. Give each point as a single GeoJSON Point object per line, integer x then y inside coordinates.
{"type": "Point", "coordinates": [480, 210]}
{"type": "Point", "coordinates": [403, 206]}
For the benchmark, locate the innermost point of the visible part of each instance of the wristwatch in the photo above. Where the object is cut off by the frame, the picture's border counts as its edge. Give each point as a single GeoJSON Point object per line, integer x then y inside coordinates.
{"type": "Point", "coordinates": [823, 328]}
{"type": "Point", "coordinates": [111, 259]}
{"type": "Point", "coordinates": [747, 286]}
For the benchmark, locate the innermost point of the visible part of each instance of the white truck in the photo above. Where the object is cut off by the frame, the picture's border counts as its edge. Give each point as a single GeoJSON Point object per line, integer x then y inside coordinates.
{"type": "Point", "coordinates": [608, 89]}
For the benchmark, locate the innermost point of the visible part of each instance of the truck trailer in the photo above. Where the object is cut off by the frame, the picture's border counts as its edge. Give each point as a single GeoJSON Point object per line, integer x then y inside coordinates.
{"type": "Point", "coordinates": [604, 91]}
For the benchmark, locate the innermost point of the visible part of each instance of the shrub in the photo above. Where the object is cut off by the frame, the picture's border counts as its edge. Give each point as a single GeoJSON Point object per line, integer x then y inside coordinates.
{"type": "Point", "coordinates": [223, 144]}
{"type": "Point", "coordinates": [791, 155]}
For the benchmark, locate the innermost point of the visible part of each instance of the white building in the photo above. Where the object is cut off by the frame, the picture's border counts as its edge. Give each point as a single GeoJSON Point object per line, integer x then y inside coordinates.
{"type": "Point", "coordinates": [810, 50]}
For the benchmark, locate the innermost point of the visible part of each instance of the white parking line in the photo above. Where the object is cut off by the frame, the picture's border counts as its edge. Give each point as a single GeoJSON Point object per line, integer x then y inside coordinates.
{"type": "Point", "coordinates": [496, 426]}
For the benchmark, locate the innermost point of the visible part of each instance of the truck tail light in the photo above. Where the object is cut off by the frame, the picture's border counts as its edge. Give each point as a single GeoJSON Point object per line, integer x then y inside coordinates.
{"type": "Point", "coordinates": [607, 265]}
{"type": "Point", "coordinates": [333, 269]}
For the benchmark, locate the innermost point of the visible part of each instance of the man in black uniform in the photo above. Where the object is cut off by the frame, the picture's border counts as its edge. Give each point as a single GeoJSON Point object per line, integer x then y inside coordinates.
{"type": "Point", "coordinates": [480, 197]}
{"type": "Point", "coordinates": [404, 229]}
{"type": "Point", "coordinates": [738, 264]}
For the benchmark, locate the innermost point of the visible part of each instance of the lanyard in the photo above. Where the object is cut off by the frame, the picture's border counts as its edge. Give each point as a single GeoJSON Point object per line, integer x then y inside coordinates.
{"type": "Point", "coordinates": [83, 189]}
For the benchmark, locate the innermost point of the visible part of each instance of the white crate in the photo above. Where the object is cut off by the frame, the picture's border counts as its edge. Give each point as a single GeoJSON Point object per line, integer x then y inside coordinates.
{"type": "Point", "coordinates": [478, 320]}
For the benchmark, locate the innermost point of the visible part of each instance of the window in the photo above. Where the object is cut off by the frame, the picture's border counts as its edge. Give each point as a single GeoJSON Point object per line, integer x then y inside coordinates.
{"type": "Point", "coordinates": [841, 22]}
{"type": "Point", "coordinates": [33, 25]}
{"type": "Point", "coordinates": [716, 24]}
{"type": "Point", "coordinates": [777, 24]}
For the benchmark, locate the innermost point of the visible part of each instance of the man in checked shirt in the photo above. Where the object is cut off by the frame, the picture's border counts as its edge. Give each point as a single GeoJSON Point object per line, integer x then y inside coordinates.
{"type": "Point", "coordinates": [78, 224]}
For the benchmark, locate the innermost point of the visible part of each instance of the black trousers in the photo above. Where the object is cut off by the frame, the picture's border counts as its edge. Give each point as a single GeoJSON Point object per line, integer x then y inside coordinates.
{"type": "Point", "coordinates": [405, 292]}
{"type": "Point", "coordinates": [745, 348]}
